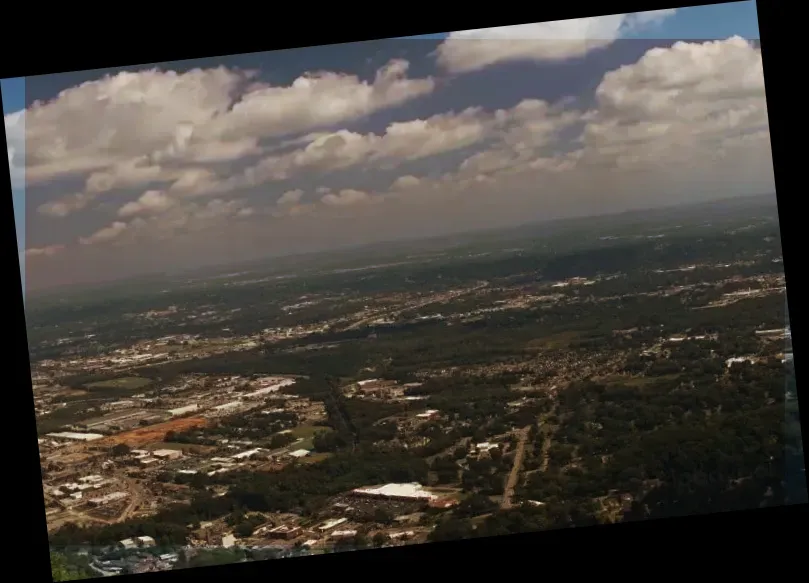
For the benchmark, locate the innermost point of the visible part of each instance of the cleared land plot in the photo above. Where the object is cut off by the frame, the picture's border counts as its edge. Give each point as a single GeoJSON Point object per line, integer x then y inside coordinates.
{"type": "Point", "coordinates": [122, 384]}
{"type": "Point", "coordinates": [314, 458]}
{"type": "Point", "coordinates": [553, 341]}
{"type": "Point", "coordinates": [154, 433]}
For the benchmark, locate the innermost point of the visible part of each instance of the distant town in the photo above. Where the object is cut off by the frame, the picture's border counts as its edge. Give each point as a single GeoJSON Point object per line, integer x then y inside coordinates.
{"type": "Point", "coordinates": [406, 413]}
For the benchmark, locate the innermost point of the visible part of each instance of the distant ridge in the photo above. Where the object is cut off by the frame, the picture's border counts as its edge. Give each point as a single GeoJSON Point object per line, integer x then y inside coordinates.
{"type": "Point", "coordinates": [292, 261]}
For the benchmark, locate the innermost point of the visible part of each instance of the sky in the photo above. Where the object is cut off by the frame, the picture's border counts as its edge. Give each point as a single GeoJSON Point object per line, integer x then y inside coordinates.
{"type": "Point", "coordinates": [158, 167]}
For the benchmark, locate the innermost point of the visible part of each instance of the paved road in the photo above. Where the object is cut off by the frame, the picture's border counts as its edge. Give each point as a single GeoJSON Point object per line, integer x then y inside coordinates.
{"type": "Point", "coordinates": [514, 476]}
{"type": "Point", "coordinates": [433, 300]}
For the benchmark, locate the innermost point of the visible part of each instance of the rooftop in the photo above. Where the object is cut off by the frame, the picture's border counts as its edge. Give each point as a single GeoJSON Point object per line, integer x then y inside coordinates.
{"type": "Point", "coordinates": [414, 490]}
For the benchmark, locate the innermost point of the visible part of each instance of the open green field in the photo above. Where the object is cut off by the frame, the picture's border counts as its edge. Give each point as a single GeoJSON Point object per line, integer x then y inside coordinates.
{"type": "Point", "coordinates": [553, 341]}
{"type": "Point", "coordinates": [306, 433]}
{"type": "Point", "coordinates": [123, 384]}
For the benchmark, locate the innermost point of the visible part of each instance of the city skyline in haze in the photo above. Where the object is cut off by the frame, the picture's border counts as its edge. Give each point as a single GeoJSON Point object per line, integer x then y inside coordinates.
{"type": "Point", "coordinates": [236, 158]}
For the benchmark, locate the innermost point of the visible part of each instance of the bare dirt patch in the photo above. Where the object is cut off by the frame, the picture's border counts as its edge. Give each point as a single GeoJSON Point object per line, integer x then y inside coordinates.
{"type": "Point", "coordinates": [153, 433]}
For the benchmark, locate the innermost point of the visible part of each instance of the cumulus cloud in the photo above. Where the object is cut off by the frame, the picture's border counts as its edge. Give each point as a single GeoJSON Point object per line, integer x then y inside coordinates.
{"type": "Point", "coordinates": [47, 251]}
{"type": "Point", "coordinates": [471, 50]}
{"type": "Point", "coordinates": [405, 183]}
{"type": "Point", "coordinates": [151, 201]}
{"type": "Point", "coordinates": [690, 114]}
{"type": "Point", "coordinates": [678, 104]}
{"type": "Point", "coordinates": [402, 141]}
{"type": "Point", "coordinates": [108, 233]}
{"type": "Point", "coordinates": [66, 205]}
{"type": "Point", "coordinates": [530, 124]}
{"type": "Point", "coordinates": [132, 129]}
{"type": "Point", "coordinates": [346, 197]}
{"type": "Point", "coordinates": [14, 125]}
{"type": "Point", "coordinates": [290, 197]}
{"type": "Point", "coordinates": [170, 221]}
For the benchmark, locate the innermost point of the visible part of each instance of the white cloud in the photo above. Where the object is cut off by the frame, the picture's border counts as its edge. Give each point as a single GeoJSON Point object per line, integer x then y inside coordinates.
{"type": "Point", "coordinates": [471, 50]}
{"type": "Point", "coordinates": [402, 141]}
{"type": "Point", "coordinates": [106, 234]}
{"type": "Point", "coordinates": [346, 197]}
{"type": "Point", "coordinates": [66, 205]}
{"type": "Point", "coordinates": [678, 104]}
{"type": "Point", "coordinates": [173, 220]}
{"type": "Point", "coordinates": [530, 124]}
{"type": "Point", "coordinates": [681, 119]}
{"type": "Point", "coordinates": [47, 251]}
{"type": "Point", "coordinates": [405, 183]}
{"type": "Point", "coordinates": [290, 197]}
{"type": "Point", "coordinates": [14, 124]}
{"type": "Point", "coordinates": [131, 129]}
{"type": "Point", "coordinates": [150, 202]}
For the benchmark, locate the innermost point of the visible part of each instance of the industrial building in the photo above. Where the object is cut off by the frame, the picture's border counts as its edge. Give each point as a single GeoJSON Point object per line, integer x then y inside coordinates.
{"type": "Point", "coordinates": [247, 454]}
{"type": "Point", "coordinates": [329, 524]}
{"type": "Point", "coordinates": [183, 410]}
{"type": "Point", "coordinates": [103, 500]}
{"type": "Point", "coordinates": [72, 436]}
{"type": "Point", "coordinates": [402, 492]}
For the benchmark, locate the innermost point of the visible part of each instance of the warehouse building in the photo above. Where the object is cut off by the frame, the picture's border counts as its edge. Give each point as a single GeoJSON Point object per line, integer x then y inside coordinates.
{"type": "Point", "coordinates": [183, 410]}
{"type": "Point", "coordinates": [401, 492]}
{"type": "Point", "coordinates": [72, 436]}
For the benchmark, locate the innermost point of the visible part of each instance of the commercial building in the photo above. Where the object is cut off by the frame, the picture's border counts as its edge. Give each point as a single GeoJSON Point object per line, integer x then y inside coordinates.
{"type": "Point", "coordinates": [72, 436]}
{"type": "Point", "coordinates": [183, 410]}
{"type": "Point", "coordinates": [247, 454]}
{"type": "Point", "coordinates": [402, 492]}
{"type": "Point", "coordinates": [284, 532]}
{"type": "Point", "coordinates": [103, 500]}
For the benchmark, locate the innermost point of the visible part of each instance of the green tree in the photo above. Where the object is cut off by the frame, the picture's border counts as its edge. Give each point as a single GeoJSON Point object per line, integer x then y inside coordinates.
{"type": "Point", "coordinates": [62, 570]}
{"type": "Point", "coordinates": [379, 539]}
{"type": "Point", "coordinates": [120, 450]}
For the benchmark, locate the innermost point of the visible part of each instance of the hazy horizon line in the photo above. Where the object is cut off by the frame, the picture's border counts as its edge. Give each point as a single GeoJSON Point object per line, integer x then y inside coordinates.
{"type": "Point", "coordinates": [99, 284]}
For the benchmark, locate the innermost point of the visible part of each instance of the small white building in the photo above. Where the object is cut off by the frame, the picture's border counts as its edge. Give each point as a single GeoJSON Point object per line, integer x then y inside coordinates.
{"type": "Point", "coordinates": [486, 446]}
{"type": "Point", "coordinates": [128, 544]}
{"type": "Point", "coordinates": [247, 454]}
{"type": "Point", "coordinates": [428, 414]}
{"type": "Point", "coordinates": [298, 453]}
{"type": "Point", "coordinates": [329, 524]}
{"type": "Point", "coordinates": [183, 410]}
{"type": "Point", "coordinates": [145, 541]}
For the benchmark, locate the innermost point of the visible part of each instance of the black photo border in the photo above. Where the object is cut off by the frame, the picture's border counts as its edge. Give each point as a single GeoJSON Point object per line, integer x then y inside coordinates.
{"type": "Point", "coordinates": [73, 38]}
